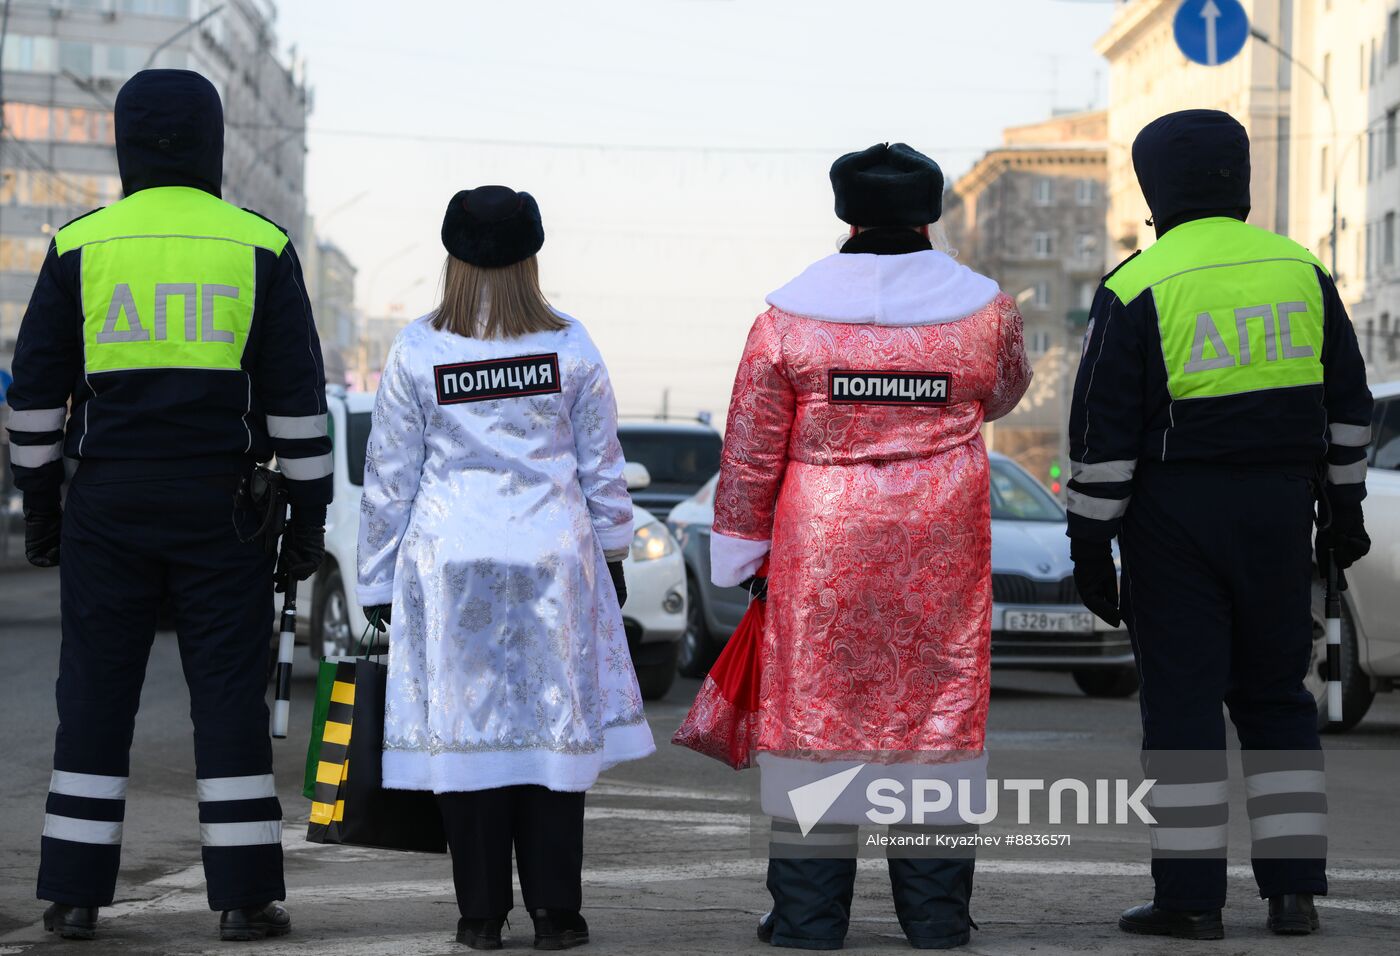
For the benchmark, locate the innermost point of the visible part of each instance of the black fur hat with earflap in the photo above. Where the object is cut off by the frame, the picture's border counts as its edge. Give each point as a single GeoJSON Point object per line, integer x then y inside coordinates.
{"type": "Point", "coordinates": [492, 227]}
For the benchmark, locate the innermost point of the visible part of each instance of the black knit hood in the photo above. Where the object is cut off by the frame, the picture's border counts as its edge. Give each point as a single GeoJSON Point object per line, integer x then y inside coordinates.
{"type": "Point", "coordinates": [1191, 165]}
{"type": "Point", "coordinates": [170, 132]}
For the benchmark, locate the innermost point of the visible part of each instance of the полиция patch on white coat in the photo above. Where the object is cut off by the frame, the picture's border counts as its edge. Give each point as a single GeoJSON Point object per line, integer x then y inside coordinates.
{"type": "Point", "coordinates": [489, 501]}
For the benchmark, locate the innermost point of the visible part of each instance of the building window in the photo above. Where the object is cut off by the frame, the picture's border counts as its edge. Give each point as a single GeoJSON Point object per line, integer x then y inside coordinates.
{"type": "Point", "coordinates": [39, 187]}
{"type": "Point", "coordinates": [28, 54]}
{"type": "Point", "coordinates": [1042, 294]}
{"type": "Point", "coordinates": [1388, 239]}
{"type": "Point", "coordinates": [1086, 295]}
{"type": "Point", "coordinates": [1392, 119]}
{"type": "Point", "coordinates": [157, 8]}
{"type": "Point", "coordinates": [1086, 192]}
{"type": "Point", "coordinates": [1044, 244]}
{"type": "Point", "coordinates": [1038, 342]}
{"type": "Point", "coordinates": [29, 121]}
{"type": "Point", "coordinates": [1392, 38]}
{"type": "Point", "coordinates": [75, 58]}
{"type": "Point", "coordinates": [1044, 191]}
{"type": "Point", "coordinates": [1085, 245]}
{"type": "Point", "coordinates": [22, 255]}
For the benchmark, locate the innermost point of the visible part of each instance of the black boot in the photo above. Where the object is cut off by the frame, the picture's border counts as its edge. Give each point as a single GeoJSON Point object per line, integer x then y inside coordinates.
{"type": "Point", "coordinates": [78, 922]}
{"type": "Point", "coordinates": [254, 922]}
{"type": "Point", "coordinates": [1293, 914]}
{"type": "Point", "coordinates": [480, 933]}
{"type": "Point", "coordinates": [1148, 920]}
{"type": "Point", "coordinates": [765, 927]}
{"type": "Point", "coordinates": [559, 929]}
{"type": "Point", "coordinates": [931, 899]}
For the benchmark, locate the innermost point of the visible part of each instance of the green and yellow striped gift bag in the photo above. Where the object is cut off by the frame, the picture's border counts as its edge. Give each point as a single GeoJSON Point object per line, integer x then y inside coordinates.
{"type": "Point", "coordinates": [348, 804]}
{"type": "Point", "coordinates": [331, 747]}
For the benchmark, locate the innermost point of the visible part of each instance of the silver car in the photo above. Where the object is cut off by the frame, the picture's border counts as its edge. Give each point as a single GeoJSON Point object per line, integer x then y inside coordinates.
{"type": "Point", "coordinates": [1038, 621]}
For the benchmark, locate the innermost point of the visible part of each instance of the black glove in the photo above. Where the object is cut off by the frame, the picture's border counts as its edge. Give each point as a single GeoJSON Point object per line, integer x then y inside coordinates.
{"type": "Point", "coordinates": [1345, 539]}
{"type": "Point", "coordinates": [619, 582]}
{"type": "Point", "coordinates": [303, 550]}
{"type": "Point", "coordinates": [380, 615]}
{"type": "Point", "coordinates": [756, 586]}
{"type": "Point", "coordinates": [42, 529]}
{"type": "Point", "coordinates": [1096, 577]}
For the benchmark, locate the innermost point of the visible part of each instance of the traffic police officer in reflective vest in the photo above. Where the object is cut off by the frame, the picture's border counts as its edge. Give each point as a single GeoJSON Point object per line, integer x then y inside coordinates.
{"type": "Point", "coordinates": [168, 345]}
{"type": "Point", "coordinates": [1221, 385]}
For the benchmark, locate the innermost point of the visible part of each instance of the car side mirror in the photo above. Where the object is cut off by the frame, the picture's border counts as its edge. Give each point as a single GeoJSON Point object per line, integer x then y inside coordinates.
{"type": "Point", "coordinates": [636, 475]}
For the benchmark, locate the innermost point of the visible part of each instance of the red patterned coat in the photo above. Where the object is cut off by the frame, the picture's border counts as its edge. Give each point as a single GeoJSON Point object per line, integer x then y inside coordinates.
{"type": "Point", "coordinates": [869, 484]}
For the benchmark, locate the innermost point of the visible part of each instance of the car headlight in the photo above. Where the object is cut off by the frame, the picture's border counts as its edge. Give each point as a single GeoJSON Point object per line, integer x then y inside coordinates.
{"type": "Point", "coordinates": [652, 541]}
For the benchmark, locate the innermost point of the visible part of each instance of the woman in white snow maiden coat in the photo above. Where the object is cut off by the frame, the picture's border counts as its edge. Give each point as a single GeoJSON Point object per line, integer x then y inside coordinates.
{"type": "Point", "coordinates": [493, 527]}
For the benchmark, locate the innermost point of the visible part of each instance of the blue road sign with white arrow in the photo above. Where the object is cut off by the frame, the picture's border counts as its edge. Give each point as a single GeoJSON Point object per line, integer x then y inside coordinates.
{"type": "Point", "coordinates": [1211, 32]}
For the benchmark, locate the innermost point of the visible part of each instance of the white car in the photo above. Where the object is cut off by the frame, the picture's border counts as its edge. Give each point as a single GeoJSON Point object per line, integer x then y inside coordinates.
{"type": "Point", "coordinates": [328, 609]}
{"type": "Point", "coordinates": [1371, 603]}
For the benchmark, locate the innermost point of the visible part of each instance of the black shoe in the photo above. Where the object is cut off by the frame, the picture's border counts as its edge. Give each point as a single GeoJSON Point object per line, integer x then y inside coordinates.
{"type": "Point", "coordinates": [559, 929]}
{"type": "Point", "coordinates": [480, 933]}
{"type": "Point", "coordinates": [765, 927]}
{"type": "Point", "coordinates": [1148, 920]}
{"type": "Point", "coordinates": [79, 922]}
{"type": "Point", "coordinates": [254, 922]}
{"type": "Point", "coordinates": [1293, 914]}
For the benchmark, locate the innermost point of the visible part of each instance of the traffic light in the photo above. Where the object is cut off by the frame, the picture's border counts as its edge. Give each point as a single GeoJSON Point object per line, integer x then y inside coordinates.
{"type": "Point", "coordinates": [1055, 473]}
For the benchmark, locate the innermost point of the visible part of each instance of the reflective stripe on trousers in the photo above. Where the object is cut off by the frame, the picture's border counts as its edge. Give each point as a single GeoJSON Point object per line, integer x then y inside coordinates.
{"type": "Point", "coordinates": [85, 808]}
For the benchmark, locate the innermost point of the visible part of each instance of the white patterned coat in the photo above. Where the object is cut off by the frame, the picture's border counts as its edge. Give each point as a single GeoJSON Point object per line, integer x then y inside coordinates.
{"type": "Point", "coordinates": [493, 485]}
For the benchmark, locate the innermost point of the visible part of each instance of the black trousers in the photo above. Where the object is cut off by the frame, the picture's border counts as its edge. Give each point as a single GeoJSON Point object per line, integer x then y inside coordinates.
{"type": "Point", "coordinates": [812, 894]}
{"type": "Point", "coordinates": [128, 543]}
{"type": "Point", "coordinates": [1217, 592]}
{"type": "Point", "coordinates": [545, 827]}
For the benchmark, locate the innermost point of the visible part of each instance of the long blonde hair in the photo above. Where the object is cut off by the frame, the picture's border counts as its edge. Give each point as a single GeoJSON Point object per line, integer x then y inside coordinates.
{"type": "Point", "coordinates": [502, 303]}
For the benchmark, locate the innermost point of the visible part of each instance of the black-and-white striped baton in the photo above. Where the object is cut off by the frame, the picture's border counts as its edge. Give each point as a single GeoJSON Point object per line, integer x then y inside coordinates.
{"type": "Point", "coordinates": [286, 643]}
{"type": "Point", "coordinates": [1334, 642]}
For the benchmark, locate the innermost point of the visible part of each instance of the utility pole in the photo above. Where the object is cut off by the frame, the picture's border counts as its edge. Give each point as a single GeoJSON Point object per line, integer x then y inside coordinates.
{"type": "Point", "coordinates": [1336, 170]}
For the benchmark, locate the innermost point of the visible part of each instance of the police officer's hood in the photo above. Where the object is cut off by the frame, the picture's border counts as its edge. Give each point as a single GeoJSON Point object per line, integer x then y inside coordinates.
{"type": "Point", "coordinates": [170, 132]}
{"type": "Point", "coordinates": [1192, 165]}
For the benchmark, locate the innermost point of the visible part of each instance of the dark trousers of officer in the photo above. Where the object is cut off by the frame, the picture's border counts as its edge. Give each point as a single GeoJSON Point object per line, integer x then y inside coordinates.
{"type": "Point", "coordinates": [812, 893]}
{"type": "Point", "coordinates": [545, 827]}
{"type": "Point", "coordinates": [131, 538]}
{"type": "Point", "coordinates": [1217, 592]}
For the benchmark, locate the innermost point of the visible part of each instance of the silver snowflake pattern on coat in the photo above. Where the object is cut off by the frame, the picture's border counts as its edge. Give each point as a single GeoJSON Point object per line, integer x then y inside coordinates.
{"type": "Point", "coordinates": [475, 616]}
{"type": "Point", "coordinates": [497, 514]}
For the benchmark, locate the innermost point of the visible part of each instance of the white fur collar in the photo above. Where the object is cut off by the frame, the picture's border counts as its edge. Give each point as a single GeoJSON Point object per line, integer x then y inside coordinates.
{"type": "Point", "coordinates": [920, 288]}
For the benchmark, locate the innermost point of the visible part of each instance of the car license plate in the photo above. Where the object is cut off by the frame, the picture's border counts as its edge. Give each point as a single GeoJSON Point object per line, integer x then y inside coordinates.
{"type": "Point", "coordinates": [1055, 622]}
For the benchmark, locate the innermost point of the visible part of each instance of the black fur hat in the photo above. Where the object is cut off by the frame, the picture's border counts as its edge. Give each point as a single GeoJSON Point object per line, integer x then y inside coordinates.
{"type": "Point", "coordinates": [492, 226]}
{"type": "Point", "coordinates": [889, 184]}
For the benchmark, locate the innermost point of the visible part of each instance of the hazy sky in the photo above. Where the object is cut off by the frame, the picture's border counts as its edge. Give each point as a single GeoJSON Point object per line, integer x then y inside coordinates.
{"type": "Point", "coordinates": [678, 148]}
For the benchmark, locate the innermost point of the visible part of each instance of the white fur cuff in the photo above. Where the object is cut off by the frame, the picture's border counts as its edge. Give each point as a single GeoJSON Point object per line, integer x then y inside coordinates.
{"type": "Point", "coordinates": [734, 559]}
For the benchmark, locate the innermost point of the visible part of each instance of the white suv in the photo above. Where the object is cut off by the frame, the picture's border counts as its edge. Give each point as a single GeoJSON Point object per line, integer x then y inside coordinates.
{"type": "Point", "coordinates": [328, 609]}
{"type": "Point", "coordinates": [1371, 605]}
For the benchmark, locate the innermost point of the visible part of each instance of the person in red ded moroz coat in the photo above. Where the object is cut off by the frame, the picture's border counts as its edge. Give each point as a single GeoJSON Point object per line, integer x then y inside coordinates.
{"type": "Point", "coordinates": [854, 462]}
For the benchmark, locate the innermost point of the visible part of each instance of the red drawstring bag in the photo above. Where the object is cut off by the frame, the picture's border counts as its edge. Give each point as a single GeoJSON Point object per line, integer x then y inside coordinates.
{"type": "Point", "coordinates": [723, 720]}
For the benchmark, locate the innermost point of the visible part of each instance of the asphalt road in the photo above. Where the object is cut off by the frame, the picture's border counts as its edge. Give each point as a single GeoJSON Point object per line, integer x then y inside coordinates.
{"type": "Point", "coordinates": [669, 864]}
